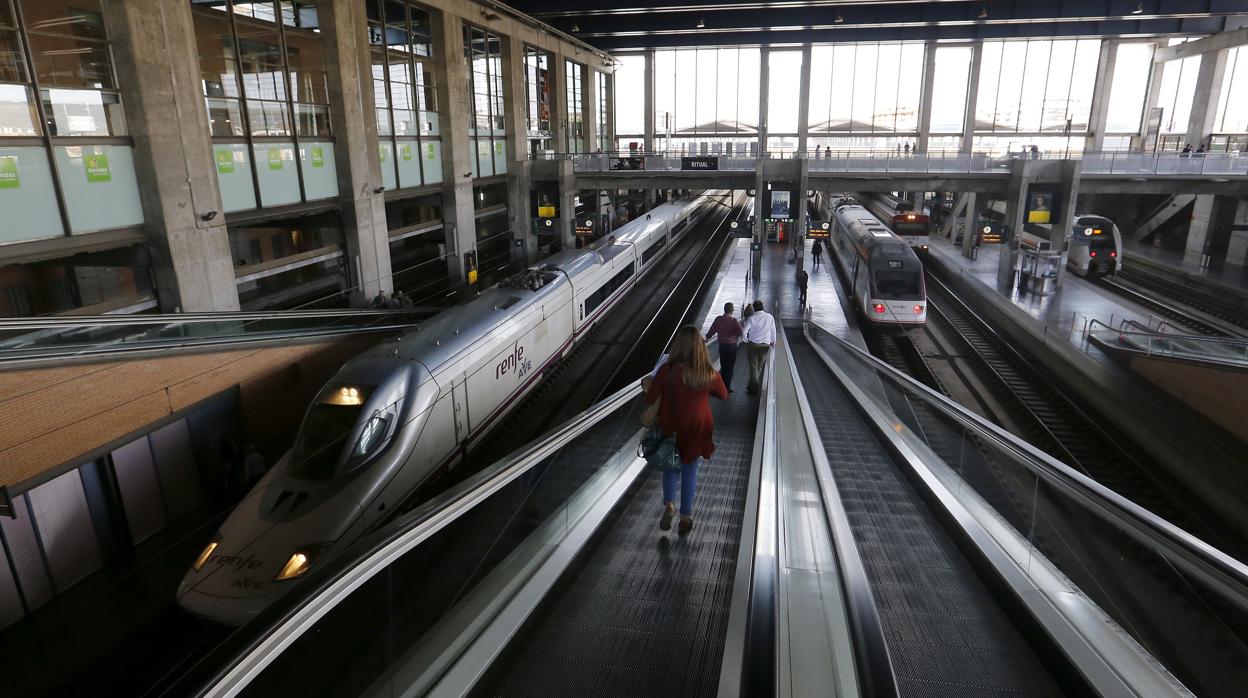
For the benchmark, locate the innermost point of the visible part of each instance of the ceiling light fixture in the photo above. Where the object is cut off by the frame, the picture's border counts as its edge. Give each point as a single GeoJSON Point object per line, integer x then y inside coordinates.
{"type": "Point", "coordinates": [1139, 9]}
{"type": "Point", "coordinates": [983, 12]}
{"type": "Point", "coordinates": [575, 27]}
{"type": "Point", "coordinates": [839, 19]}
{"type": "Point", "coordinates": [701, 23]}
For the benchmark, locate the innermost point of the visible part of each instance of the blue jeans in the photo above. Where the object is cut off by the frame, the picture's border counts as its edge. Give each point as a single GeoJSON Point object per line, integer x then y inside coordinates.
{"type": "Point", "coordinates": [688, 475]}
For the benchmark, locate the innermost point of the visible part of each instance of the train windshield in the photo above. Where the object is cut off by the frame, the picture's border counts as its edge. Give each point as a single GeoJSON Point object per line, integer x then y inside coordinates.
{"type": "Point", "coordinates": [330, 422]}
{"type": "Point", "coordinates": [898, 285]}
{"type": "Point", "coordinates": [910, 227]}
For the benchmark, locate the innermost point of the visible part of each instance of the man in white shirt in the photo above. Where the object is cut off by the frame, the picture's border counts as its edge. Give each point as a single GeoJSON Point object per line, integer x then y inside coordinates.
{"type": "Point", "coordinates": [760, 335]}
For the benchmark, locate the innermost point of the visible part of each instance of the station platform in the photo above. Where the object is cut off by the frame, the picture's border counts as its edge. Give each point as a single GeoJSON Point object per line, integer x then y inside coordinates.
{"type": "Point", "coordinates": [1231, 278]}
{"type": "Point", "coordinates": [1066, 314]}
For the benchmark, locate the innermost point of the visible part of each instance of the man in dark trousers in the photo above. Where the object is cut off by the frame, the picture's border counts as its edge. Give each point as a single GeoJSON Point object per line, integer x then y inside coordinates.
{"type": "Point", "coordinates": [816, 251]}
{"type": "Point", "coordinates": [760, 336]}
{"type": "Point", "coordinates": [729, 332]}
{"type": "Point", "coordinates": [803, 279]}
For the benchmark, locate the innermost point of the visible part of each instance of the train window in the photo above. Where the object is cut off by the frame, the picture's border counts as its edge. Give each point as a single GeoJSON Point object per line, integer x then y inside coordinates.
{"type": "Point", "coordinates": [371, 435]}
{"type": "Point", "coordinates": [604, 292]}
{"type": "Point", "coordinates": [653, 250]}
{"type": "Point", "coordinates": [898, 285]}
{"type": "Point", "coordinates": [321, 438]}
{"type": "Point", "coordinates": [676, 229]}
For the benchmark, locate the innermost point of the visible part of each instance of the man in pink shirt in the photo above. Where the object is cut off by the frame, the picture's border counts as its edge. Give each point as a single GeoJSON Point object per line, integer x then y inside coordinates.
{"type": "Point", "coordinates": [729, 331]}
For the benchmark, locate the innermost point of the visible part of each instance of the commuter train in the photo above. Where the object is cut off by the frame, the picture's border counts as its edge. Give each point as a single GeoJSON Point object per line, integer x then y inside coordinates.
{"type": "Point", "coordinates": [1102, 254]}
{"type": "Point", "coordinates": [396, 415]}
{"type": "Point", "coordinates": [913, 227]}
{"type": "Point", "coordinates": [882, 273]}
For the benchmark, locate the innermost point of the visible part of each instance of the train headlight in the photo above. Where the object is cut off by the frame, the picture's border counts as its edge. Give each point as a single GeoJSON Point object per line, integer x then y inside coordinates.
{"type": "Point", "coordinates": [299, 563]}
{"type": "Point", "coordinates": [206, 554]}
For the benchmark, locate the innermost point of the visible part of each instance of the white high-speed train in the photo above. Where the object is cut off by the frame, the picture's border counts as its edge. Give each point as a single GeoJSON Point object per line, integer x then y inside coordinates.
{"type": "Point", "coordinates": [396, 415]}
{"type": "Point", "coordinates": [883, 273]}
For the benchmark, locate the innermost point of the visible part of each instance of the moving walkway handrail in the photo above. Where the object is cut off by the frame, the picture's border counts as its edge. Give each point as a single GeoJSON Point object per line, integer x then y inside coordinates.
{"type": "Point", "coordinates": [1158, 334]}
{"type": "Point", "coordinates": [226, 670]}
{"type": "Point", "coordinates": [1218, 570]}
{"type": "Point", "coordinates": [73, 321]}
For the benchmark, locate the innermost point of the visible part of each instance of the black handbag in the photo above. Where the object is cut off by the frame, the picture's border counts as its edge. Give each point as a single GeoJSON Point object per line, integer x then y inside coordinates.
{"type": "Point", "coordinates": [660, 451]}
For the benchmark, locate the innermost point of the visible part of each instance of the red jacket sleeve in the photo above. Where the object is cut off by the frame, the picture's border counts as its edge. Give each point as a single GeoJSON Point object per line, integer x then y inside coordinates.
{"type": "Point", "coordinates": [657, 385]}
{"type": "Point", "coordinates": [717, 387]}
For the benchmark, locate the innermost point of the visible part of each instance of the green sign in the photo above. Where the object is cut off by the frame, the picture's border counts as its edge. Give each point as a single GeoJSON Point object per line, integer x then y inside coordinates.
{"type": "Point", "coordinates": [8, 173]}
{"type": "Point", "coordinates": [318, 156]}
{"type": "Point", "coordinates": [225, 162]}
{"type": "Point", "coordinates": [97, 168]}
{"type": "Point", "coordinates": [429, 152]}
{"type": "Point", "coordinates": [275, 158]}
{"type": "Point", "coordinates": [382, 149]}
{"type": "Point", "coordinates": [407, 152]}
{"type": "Point", "coordinates": [498, 148]}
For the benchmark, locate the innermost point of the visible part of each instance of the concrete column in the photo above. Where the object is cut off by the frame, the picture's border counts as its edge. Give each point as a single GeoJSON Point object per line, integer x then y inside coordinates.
{"type": "Point", "coordinates": [1237, 249]}
{"type": "Point", "coordinates": [173, 154]}
{"type": "Point", "coordinates": [344, 30]}
{"type": "Point", "coordinates": [1015, 207]}
{"type": "Point", "coordinates": [925, 99]}
{"type": "Point", "coordinates": [459, 223]}
{"type": "Point", "coordinates": [589, 109]}
{"type": "Point", "coordinates": [1205, 97]}
{"type": "Point", "coordinates": [764, 78]}
{"type": "Point", "coordinates": [803, 109]}
{"type": "Point", "coordinates": [567, 203]}
{"type": "Point", "coordinates": [1068, 196]}
{"type": "Point", "coordinates": [649, 100]}
{"type": "Point", "coordinates": [558, 103]}
{"type": "Point", "coordinates": [517, 147]}
{"type": "Point", "coordinates": [1150, 101]}
{"type": "Point", "coordinates": [970, 229]}
{"type": "Point", "coordinates": [796, 241]}
{"type": "Point", "coordinates": [1095, 141]}
{"type": "Point", "coordinates": [1199, 228]}
{"type": "Point", "coordinates": [760, 215]}
{"type": "Point", "coordinates": [972, 97]}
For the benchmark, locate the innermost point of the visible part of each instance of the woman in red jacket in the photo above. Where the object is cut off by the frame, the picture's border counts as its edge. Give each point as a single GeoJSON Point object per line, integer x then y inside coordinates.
{"type": "Point", "coordinates": [685, 384]}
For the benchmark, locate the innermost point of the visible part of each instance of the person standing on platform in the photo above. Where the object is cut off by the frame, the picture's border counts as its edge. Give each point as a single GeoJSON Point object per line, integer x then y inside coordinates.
{"type": "Point", "coordinates": [803, 279]}
{"type": "Point", "coordinates": [907, 149]}
{"type": "Point", "coordinates": [760, 335]}
{"type": "Point", "coordinates": [685, 384]}
{"type": "Point", "coordinates": [816, 252]}
{"type": "Point", "coordinates": [379, 301]}
{"type": "Point", "coordinates": [729, 332]}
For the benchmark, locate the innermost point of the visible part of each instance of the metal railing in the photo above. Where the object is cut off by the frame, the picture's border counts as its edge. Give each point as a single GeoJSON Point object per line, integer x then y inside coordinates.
{"type": "Point", "coordinates": [1138, 339]}
{"type": "Point", "coordinates": [947, 162]}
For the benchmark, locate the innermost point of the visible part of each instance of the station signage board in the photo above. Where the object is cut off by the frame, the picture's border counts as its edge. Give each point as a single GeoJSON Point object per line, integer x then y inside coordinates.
{"type": "Point", "coordinates": [992, 233]}
{"type": "Point", "coordinates": [819, 230]}
{"type": "Point", "coordinates": [545, 226]}
{"type": "Point", "coordinates": [584, 227]}
{"type": "Point", "coordinates": [700, 162]}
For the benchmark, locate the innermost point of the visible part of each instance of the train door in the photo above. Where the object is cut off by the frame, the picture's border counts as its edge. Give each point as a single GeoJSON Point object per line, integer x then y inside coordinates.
{"type": "Point", "coordinates": [459, 406]}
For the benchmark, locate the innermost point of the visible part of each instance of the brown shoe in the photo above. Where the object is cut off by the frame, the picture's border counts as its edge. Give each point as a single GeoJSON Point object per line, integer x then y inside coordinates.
{"type": "Point", "coordinates": [685, 526]}
{"type": "Point", "coordinates": [665, 521]}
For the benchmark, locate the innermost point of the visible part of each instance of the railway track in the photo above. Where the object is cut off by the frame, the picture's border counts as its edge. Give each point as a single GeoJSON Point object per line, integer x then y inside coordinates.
{"type": "Point", "coordinates": [1186, 296]}
{"type": "Point", "coordinates": [1054, 423]}
{"type": "Point", "coordinates": [1168, 310]}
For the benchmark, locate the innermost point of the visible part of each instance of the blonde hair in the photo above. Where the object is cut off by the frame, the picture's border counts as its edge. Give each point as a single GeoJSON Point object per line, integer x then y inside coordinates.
{"type": "Point", "coordinates": [689, 351]}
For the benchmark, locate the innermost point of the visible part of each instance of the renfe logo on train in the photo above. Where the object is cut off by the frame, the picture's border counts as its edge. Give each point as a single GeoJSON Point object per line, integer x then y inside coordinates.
{"type": "Point", "coordinates": [514, 361]}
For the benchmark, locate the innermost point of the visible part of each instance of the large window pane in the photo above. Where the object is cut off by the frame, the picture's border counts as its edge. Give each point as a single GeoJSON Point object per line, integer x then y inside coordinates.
{"type": "Point", "coordinates": [749, 63]}
{"type": "Point", "coordinates": [840, 115]}
{"type": "Point", "coordinates": [1232, 115]}
{"type": "Point", "coordinates": [1178, 86]}
{"type": "Point", "coordinates": [784, 78]}
{"type": "Point", "coordinates": [862, 108]}
{"type": "Point", "coordinates": [665, 92]}
{"type": "Point", "coordinates": [1010, 87]}
{"type": "Point", "coordinates": [79, 18]}
{"type": "Point", "coordinates": [1035, 76]}
{"type": "Point", "coordinates": [989, 80]}
{"type": "Point", "coordinates": [1057, 87]}
{"type": "Point", "coordinates": [17, 111]}
{"type": "Point", "coordinates": [705, 81]}
{"type": "Point", "coordinates": [685, 97]}
{"type": "Point", "coordinates": [1079, 111]}
{"type": "Point", "coordinates": [949, 89]}
{"type": "Point", "coordinates": [820, 88]}
{"type": "Point", "coordinates": [1129, 89]}
{"type": "Point", "coordinates": [887, 71]}
{"type": "Point", "coordinates": [909, 87]}
{"type": "Point", "coordinates": [630, 90]}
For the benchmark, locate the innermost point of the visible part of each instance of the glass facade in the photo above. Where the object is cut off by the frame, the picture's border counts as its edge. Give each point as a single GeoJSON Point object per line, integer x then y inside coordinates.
{"type": "Point", "coordinates": [574, 93]}
{"type": "Point", "coordinates": [856, 88]}
{"type": "Point", "coordinates": [603, 114]}
{"type": "Point", "coordinates": [404, 95]}
{"type": "Point", "coordinates": [1232, 115]}
{"type": "Point", "coordinates": [538, 99]}
{"type": "Point", "coordinates": [949, 89]}
{"type": "Point", "coordinates": [288, 262]}
{"type": "Point", "coordinates": [699, 98]}
{"type": "Point", "coordinates": [262, 67]}
{"type": "Point", "coordinates": [1132, 68]}
{"type": "Point", "coordinates": [1036, 87]}
{"type": "Point", "coordinates": [1178, 87]}
{"type": "Point", "coordinates": [488, 126]}
{"type": "Point", "coordinates": [66, 160]}
{"type": "Point", "coordinates": [630, 105]}
{"type": "Point", "coordinates": [493, 233]}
